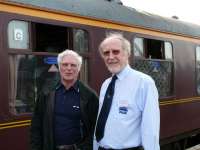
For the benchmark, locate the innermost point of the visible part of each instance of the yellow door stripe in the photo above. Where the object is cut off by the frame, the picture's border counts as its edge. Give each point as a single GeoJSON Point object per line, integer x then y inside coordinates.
{"type": "Point", "coordinates": [15, 124]}
{"type": "Point", "coordinates": [179, 101]}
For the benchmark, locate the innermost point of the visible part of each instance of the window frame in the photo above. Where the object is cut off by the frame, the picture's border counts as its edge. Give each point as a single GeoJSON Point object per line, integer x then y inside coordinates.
{"type": "Point", "coordinates": [144, 57]}
{"type": "Point", "coordinates": [29, 51]}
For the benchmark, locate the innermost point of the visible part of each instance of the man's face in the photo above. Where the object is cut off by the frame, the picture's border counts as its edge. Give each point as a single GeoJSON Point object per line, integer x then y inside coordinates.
{"type": "Point", "coordinates": [69, 68]}
{"type": "Point", "coordinates": [114, 57]}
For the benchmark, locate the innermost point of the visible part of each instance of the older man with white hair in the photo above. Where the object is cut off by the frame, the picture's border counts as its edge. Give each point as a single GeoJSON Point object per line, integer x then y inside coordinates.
{"type": "Point", "coordinates": [129, 115]}
{"type": "Point", "coordinates": [64, 118]}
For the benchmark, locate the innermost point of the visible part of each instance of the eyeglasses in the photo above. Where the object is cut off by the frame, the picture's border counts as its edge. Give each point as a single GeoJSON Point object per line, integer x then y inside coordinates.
{"type": "Point", "coordinates": [114, 52]}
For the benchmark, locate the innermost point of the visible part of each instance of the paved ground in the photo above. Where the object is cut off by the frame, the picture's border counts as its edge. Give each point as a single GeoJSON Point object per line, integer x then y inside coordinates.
{"type": "Point", "coordinates": [197, 147]}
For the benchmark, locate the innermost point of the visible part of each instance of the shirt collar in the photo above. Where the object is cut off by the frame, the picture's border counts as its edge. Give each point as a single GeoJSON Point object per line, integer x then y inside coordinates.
{"type": "Point", "coordinates": [122, 74]}
{"type": "Point", "coordinates": [75, 87]}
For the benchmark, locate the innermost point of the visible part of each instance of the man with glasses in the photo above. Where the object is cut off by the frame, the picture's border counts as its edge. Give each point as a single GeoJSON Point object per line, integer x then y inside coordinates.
{"type": "Point", "coordinates": [64, 118]}
{"type": "Point", "coordinates": [129, 116]}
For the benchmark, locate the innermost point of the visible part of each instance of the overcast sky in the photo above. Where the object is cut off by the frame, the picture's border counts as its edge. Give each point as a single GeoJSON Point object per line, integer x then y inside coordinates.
{"type": "Point", "coordinates": [186, 10]}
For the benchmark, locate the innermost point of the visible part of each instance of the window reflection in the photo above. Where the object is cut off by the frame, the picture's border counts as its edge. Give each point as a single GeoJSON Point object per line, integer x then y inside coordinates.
{"type": "Point", "coordinates": [138, 47]}
{"type": "Point", "coordinates": [80, 40]}
{"type": "Point", "coordinates": [30, 75]}
{"type": "Point", "coordinates": [198, 69]}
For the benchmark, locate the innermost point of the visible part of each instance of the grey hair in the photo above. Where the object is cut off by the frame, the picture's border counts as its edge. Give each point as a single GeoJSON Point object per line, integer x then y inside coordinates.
{"type": "Point", "coordinates": [126, 46]}
{"type": "Point", "coordinates": [69, 52]}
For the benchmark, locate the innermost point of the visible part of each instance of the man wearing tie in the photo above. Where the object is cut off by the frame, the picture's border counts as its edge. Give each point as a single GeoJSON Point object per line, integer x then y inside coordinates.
{"type": "Point", "coordinates": [129, 116]}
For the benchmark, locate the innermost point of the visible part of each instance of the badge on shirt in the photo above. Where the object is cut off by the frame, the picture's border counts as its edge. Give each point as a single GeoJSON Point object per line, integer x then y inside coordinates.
{"type": "Point", "coordinates": [76, 107]}
{"type": "Point", "coordinates": [123, 107]}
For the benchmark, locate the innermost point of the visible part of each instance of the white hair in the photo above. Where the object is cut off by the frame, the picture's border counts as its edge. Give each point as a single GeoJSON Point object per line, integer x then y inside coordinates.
{"type": "Point", "coordinates": [126, 46]}
{"type": "Point", "coordinates": [69, 52]}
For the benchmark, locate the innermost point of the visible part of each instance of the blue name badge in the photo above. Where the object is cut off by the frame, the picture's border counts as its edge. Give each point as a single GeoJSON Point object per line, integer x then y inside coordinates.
{"type": "Point", "coordinates": [123, 110]}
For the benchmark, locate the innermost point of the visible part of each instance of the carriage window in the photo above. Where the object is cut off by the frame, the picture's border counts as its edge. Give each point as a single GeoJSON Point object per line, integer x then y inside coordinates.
{"type": "Point", "coordinates": [18, 36]}
{"type": "Point", "coordinates": [168, 51]}
{"type": "Point", "coordinates": [80, 40]}
{"type": "Point", "coordinates": [51, 38]}
{"type": "Point", "coordinates": [154, 49]}
{"type": "Point", "coordinates": [198, 69]}
{"type": "Point", "coordinates": [37, 71]}
{"type": "Point", "coordinates": [154, 57]}
{"type": "Point", "coordinates": [138, 47]}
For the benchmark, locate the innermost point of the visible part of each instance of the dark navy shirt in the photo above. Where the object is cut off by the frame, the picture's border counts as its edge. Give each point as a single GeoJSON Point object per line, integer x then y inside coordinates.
{"type": "Point", "coordinates": [67, 115]}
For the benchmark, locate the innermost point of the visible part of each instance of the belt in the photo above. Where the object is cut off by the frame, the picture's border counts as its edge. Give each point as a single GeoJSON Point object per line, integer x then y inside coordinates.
{"type": "Point", "coordinates": [66, 147]}
{"type": "Point", "coordinates": [132, 148]}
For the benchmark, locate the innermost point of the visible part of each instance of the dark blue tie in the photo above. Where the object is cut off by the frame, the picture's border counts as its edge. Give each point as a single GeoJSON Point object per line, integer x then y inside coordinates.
{"type": "Point", "coordinates": [103, 115]}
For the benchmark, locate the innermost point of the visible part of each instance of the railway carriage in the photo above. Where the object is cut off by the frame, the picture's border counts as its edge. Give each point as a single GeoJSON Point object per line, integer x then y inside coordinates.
{"type": "Point", "coordinates": [34, 32]}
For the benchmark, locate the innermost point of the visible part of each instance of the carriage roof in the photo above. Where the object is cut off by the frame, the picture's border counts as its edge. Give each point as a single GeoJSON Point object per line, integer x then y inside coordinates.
{"type": "Point", "coordinates": [111, 11]}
